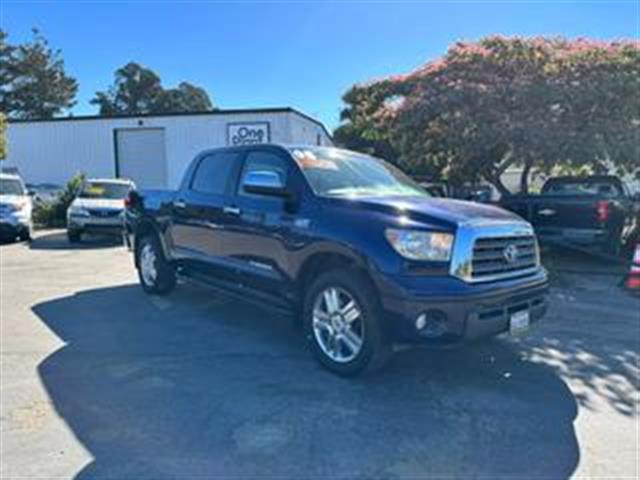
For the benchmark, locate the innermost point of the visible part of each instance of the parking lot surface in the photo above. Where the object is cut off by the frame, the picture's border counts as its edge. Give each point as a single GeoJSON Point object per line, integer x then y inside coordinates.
{"type": "Point", "coordinates": [100, 380]}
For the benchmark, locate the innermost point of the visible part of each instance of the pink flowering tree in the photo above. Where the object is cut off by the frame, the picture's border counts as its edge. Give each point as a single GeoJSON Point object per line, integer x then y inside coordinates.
{"type": "Point", "coordinates": [504, 102]}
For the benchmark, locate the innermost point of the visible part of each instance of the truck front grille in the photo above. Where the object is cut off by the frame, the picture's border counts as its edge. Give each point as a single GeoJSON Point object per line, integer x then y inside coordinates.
{"type": "Point", "coordinates": [495, 258]}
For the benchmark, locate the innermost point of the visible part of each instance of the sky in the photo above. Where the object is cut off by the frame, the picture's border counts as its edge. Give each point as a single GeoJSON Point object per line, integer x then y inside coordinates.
{"type": "Point", "coordinates": [303, 54]}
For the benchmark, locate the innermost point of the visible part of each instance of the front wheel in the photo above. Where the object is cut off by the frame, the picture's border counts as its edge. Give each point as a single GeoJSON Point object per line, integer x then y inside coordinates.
{"type": "Point", "coordinates": [25, 235]}
{"type": "Point", "coordinates": [343, 323]}
{"type": "Point", "coordinates": [156, 274]}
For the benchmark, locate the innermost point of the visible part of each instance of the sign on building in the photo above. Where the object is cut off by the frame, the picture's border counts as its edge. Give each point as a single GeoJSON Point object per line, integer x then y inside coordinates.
{"type": "Point", "coordinates": [248, 133]}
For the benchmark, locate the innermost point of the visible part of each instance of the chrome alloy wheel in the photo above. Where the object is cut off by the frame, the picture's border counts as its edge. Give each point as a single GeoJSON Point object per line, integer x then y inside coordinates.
{"type": "Point", "coordinates": [338, 326]}
{"type": "Point", "coordinates": [148, 265]}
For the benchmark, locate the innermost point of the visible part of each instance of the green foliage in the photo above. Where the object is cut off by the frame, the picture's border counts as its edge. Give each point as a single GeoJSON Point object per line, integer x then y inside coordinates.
{"type": "Point", "coordinates": [507, 102]}
{"type": "Point", "coordinates": [185, 98]}
{"type": "Point", "coordinates": [3, 136]}
{"type": "Point", "coordinates": [138, 90]}
{"type": "Point", "coordinates": [366, 125]}
{"type": "Point", "coordinates": [33, 81]}
{"type": "Point", "coordinates": [54, 215]}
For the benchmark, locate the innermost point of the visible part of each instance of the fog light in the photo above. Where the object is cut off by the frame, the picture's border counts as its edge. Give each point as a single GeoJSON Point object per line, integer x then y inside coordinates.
{"type": "Point", "coordinates": [432, 324]}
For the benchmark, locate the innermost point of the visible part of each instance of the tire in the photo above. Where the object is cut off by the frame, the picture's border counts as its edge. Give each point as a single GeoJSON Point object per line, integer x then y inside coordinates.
{"type": "Point", "coordinates": [157, 276]}
{"type": "Point", "coordinates": [74, 236]}
{"type": "Point", "coordinates": [343, 356]}
{"type": "Point", "coordinates": [25, 235]}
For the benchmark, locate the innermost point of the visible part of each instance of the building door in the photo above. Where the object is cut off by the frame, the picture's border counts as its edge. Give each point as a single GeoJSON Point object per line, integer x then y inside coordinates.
{"type": "Point", "coordinates": [141, 156]}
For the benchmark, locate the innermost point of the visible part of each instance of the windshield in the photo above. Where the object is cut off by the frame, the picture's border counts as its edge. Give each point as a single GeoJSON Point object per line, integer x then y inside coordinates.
{"type": "Point", "coordinates": [10, 186]}
{"type": "Point", "coordinates": [105, 190]}
{"type": "Point", "coordinates": [340, 173]}
{"type": "Point", "coordinates": [582, 187]}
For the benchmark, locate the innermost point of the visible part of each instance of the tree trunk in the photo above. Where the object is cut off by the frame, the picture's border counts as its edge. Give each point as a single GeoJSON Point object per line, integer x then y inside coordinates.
{"type": "Point", "coordinates": [496, 181]}
{"type": "Point", "coordinates": [524, 179]}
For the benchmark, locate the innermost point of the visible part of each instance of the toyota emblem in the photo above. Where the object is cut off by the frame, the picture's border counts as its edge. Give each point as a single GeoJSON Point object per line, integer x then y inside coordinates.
{"type": "Point", "coordinates": [510, 253]}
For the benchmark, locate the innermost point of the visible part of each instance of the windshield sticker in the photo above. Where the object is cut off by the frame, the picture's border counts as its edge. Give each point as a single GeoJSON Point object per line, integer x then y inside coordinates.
{"type": "Point", "coordinates": [94, 190]}
{"type": "Point", "coordinates": [307, 160]}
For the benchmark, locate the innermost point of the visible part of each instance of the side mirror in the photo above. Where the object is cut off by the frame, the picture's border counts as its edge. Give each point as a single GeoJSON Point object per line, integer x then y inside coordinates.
{"type": "Point", "coordinates": [264, 182]}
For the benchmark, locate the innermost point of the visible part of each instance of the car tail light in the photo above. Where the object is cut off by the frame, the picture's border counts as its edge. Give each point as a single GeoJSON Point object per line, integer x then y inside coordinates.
{"type": "Point", "coordinates": [602, 210]}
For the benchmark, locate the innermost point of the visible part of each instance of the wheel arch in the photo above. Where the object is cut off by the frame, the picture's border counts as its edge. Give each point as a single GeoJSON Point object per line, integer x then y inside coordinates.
{"type": "Point", "coordinates": [326, 261]}
{"type": "Point", "coordinates": [146, 227]}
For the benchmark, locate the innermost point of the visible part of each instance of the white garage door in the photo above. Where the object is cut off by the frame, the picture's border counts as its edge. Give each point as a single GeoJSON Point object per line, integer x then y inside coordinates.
{"type": "Point", "coordinates": [142, 156]}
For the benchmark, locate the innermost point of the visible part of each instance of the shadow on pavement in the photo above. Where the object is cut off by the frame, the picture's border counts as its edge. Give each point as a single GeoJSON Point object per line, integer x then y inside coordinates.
{"type": "Point", "coordinates": [192, 385]}
{"type": "Point", "coordinates": [58, 241]}
{"type": "Point", "coordinates": [591, 334]}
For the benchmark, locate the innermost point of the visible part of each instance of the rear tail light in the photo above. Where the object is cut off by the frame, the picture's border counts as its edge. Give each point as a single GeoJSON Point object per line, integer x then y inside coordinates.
{"type": "Point", "coordinates": [602, 210]}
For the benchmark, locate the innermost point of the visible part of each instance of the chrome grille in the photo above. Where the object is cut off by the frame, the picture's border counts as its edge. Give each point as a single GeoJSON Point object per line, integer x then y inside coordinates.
{"type": "Point", "coordinates": [500, 257]}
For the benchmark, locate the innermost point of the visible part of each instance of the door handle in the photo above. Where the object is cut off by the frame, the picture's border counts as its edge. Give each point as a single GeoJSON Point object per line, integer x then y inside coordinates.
{"type": "Point", "coordinates": [179, 204]}
{"type": "Point", "coordinates": [231, 210]}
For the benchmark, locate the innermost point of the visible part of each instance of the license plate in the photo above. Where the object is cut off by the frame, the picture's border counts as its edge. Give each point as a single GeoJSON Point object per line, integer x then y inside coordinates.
{"type": "Point", "coordinates": [519, 322]}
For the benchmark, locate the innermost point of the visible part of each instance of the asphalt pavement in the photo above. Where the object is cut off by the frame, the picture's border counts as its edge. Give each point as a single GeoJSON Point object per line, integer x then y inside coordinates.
{"type": "Point", "coordinates": [100, 380]}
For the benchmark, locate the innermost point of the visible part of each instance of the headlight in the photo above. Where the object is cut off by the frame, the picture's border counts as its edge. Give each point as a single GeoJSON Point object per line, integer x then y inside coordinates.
{"type": "Point", "coordinates": [419, 245]}
{"type": "Point", "coordinates": [78, 211]}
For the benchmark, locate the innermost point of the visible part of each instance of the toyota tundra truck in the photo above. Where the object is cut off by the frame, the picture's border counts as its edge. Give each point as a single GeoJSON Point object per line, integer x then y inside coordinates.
{"type": "Point", "coordinates": [355, 251]}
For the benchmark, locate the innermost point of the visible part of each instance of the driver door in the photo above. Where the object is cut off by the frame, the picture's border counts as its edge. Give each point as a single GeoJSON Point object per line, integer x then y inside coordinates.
{"type": "Point", "coordinates": [257, 242]}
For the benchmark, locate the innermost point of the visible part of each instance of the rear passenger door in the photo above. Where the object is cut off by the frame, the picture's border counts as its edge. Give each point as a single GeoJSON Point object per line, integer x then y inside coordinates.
{"type": "Point", "coordinates": [199, 216]}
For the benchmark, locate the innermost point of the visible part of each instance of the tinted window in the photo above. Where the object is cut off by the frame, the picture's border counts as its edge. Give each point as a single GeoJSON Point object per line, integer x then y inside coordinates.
{"type": "Point", "coordinates": [213, 173]}
{"type": "Point", "coordinates": [582, 187]}
{"type": "Point", "coordinates": [264, 161]}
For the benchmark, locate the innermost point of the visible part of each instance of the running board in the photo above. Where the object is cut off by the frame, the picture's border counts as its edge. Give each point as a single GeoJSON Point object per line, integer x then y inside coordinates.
{"type": "Point", "coordinates": [239, 291]}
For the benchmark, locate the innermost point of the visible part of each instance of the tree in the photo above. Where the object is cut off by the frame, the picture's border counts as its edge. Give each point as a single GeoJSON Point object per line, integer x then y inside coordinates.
{"type": "Point", "coordinates": [33, 81]}
{"type": "Point", "coordinates": [134, 91]}
{"type": "Point", "coordinates": [3, 136]}
{"type": "Point", "coordinates": [185, 98]}
{"type": "Point", "coordinates": [504, 102]}
{"type": "Point", "coordinates": [366, 126]}
{"type": "Point", "coordinates": [138, 90]}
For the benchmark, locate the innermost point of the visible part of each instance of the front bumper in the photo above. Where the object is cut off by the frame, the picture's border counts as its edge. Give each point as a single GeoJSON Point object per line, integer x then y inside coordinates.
{"type": "Point", "coordinates": [464, 311]}
{"type": "Point", "coordinates": [89, 224]}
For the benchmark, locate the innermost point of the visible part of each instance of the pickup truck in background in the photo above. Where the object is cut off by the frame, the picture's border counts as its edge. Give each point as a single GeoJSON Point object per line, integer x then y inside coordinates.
{"type": "Point", "coordinates": [596, 212]}
{"type": "Point", "coordinates": [352, 248]}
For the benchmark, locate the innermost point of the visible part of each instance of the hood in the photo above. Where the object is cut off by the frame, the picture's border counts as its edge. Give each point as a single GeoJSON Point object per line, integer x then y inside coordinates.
{"type": "Point", "coordinates": [437, 211]}
{"type": "Point", "coordinates": [98, 203]}
{"type": "Point", "coordinates": [13, 199]}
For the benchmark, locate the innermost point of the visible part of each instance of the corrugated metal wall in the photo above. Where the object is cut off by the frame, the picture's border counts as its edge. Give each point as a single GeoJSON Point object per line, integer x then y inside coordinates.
{"type": "Point", "coordinates": [54, 151]}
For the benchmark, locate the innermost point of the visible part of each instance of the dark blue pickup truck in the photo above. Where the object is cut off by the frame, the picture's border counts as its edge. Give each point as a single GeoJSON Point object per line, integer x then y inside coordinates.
{"type": "Point", "coordinates": [356, 251]}
{"type": "Point", "coordinates": [596, 212]}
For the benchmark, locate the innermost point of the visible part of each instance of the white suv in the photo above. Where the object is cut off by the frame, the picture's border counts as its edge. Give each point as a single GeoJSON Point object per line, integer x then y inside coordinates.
{"type": "Point", "coordinates": [15, 208]}
{"type": "Point", "coordinates": [98, 208]}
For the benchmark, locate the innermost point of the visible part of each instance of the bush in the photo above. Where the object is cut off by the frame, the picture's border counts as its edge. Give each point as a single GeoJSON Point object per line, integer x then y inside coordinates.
{"type": "Point", "coordinates": [54, 215]}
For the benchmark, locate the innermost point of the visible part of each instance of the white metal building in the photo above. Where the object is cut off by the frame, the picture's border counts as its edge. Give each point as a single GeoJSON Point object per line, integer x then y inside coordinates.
{"type": "Point", "coordinates": [153, 150]}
